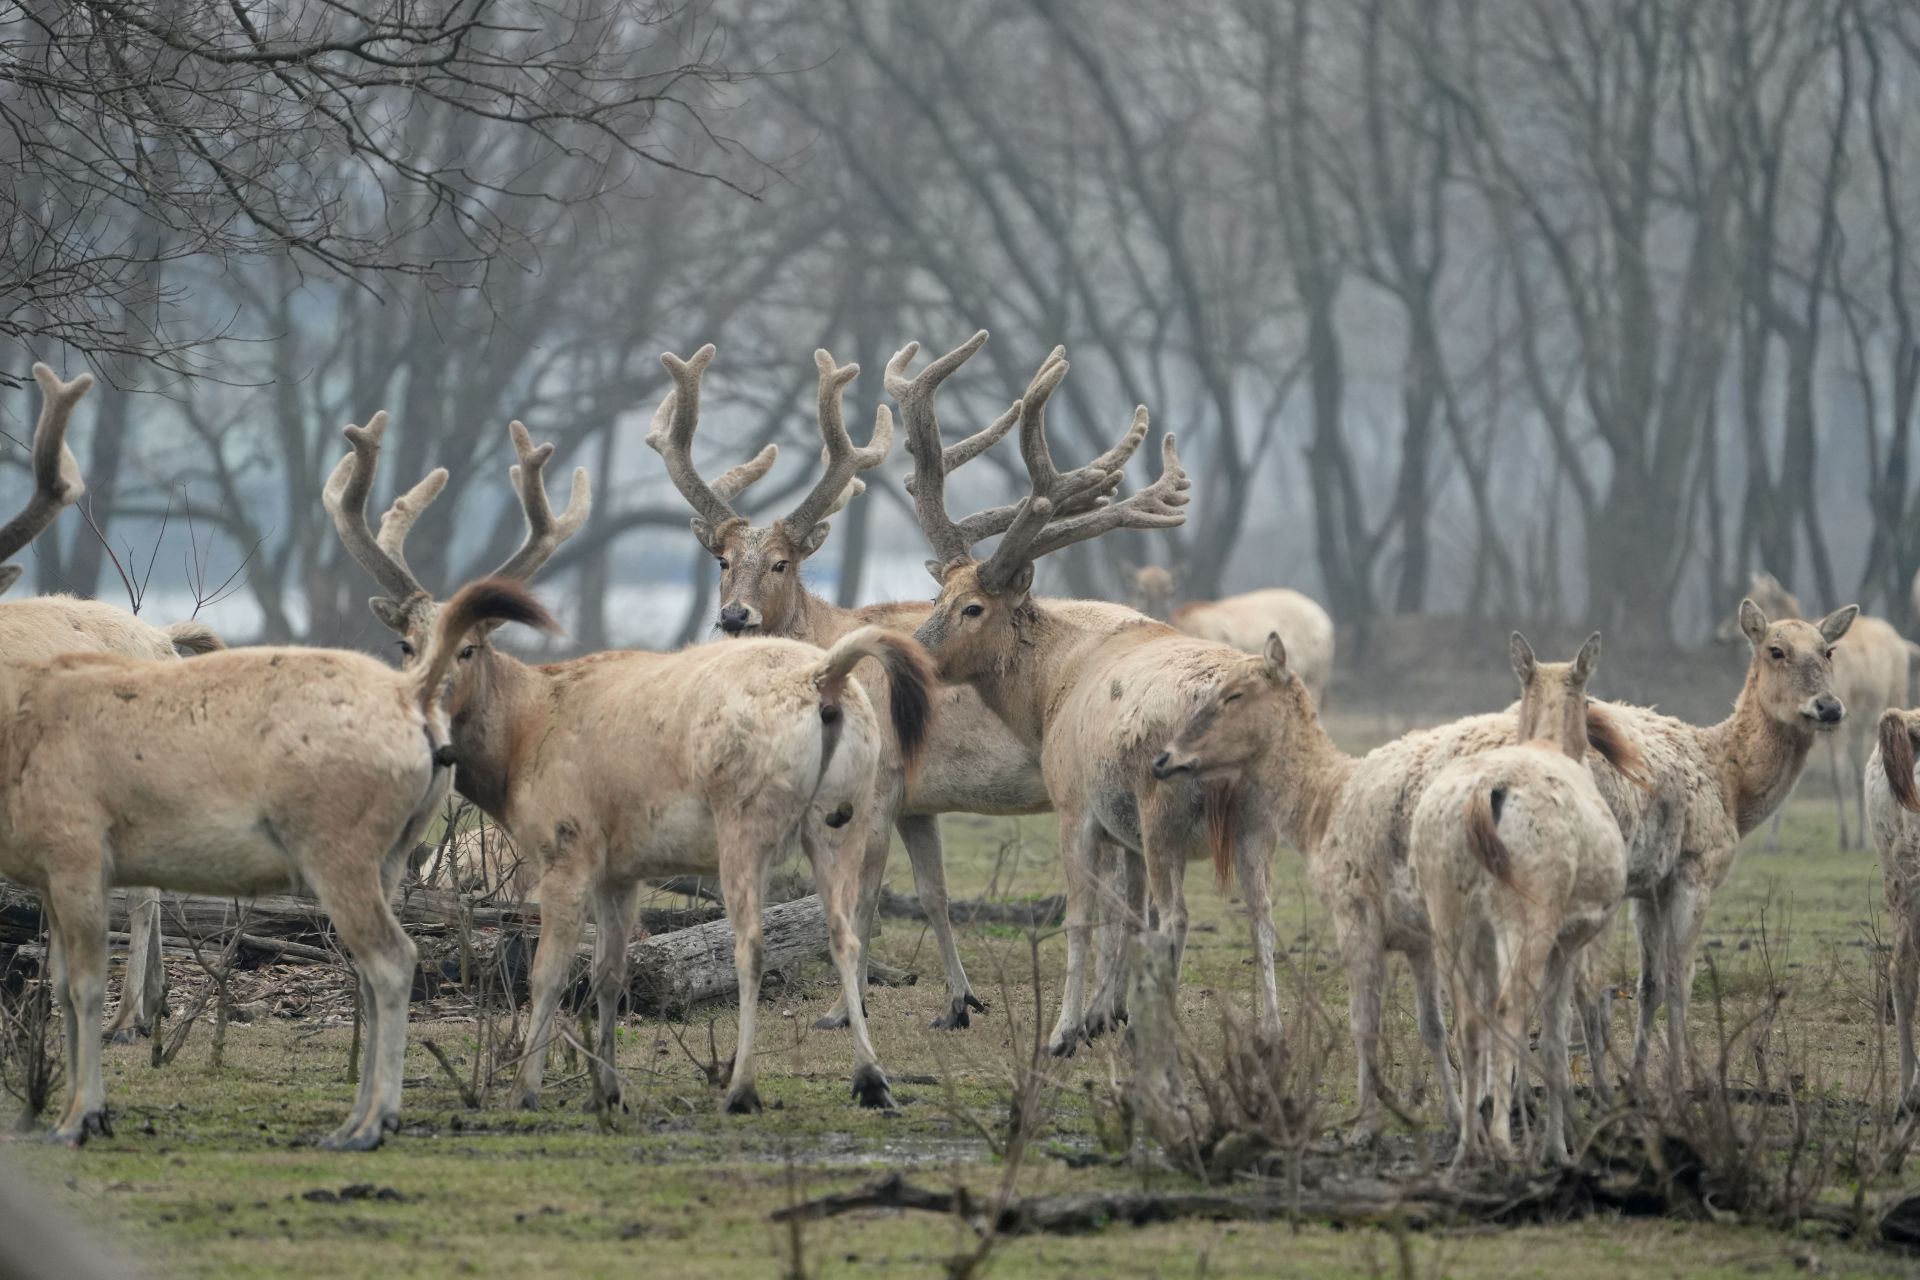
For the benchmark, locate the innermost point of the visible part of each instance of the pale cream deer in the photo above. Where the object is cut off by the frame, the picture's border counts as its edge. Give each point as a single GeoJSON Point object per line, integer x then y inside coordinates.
{"type": "Point", "coordinates": [620, 767]}
{"type": "Point", "coordinates": [1243, 621]}
{"type": "Point", "coordinates": [1893, 818]}
{"type": "Point", "coordinates": [1521, 865]}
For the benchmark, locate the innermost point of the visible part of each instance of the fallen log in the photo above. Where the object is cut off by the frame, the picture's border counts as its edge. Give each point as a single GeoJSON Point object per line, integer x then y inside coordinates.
{"type": "Point", "coordinates": [1035, 913]}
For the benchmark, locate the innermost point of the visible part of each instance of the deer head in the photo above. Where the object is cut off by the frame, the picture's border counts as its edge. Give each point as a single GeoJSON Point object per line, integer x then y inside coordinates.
{"type": "Point", "coordinates": [1258, 708]}
{"type": "Point", "coordinates": [1151, 588]}
{"type": "Point", "coordinates": [1770, 595]}
{"type": "Point", "coordinates": [1553, 695]}
{"type": "Point", "coordinates": [56, 472]}
{"type": "Point", "coordinates": [1791, 675]}
{"type": "Point", "coordinates": [975, 620]}
{"type": "Point", "coordinates": [760, 589]}
{"type": "Point", "coordinates": [406, 607]}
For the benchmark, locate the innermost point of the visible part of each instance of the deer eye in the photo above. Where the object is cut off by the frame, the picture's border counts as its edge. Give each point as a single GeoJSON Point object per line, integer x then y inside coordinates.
{"type": "Point", "coordinates": [467, 652]}
{"type": "Point", "coordinates": [780, 566]}
{"type": "Point", "coordinates": [1778, 653]}
{"type": "Point", "coordinates": [1232, 697]}
{"type": "Point", "coordinates": [974, 610]}
{"type": "Point", "coordinates": [406, 650]}
{"type": "Point", "coordinates": [1829, 655]}
{"type": "Point", "coordinates": [724, 566]}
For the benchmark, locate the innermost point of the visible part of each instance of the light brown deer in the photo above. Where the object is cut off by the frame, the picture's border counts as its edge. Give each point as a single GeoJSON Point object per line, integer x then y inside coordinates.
{"type": "Point", "coordinates": [1893, 816]}
{"type": "Point", "coordinates": [45, 627]}
{"type": "Point", "coordinates": [1870, 665]}
{"type": "Point", "coordinates": [1244, 621]}
{"type": "Point", "coordinates": [1698, 790]}
{"type": "Point", "coordinates": [1094, 689]}
{"type": "Point", "coordinates": [973, 764]}
{"type": "Point", "coordinates": [242, 772]}
{"type": "Point", "coordinates": [620, 767]}
{"type": "Point", "coordinates": [1521, 865]}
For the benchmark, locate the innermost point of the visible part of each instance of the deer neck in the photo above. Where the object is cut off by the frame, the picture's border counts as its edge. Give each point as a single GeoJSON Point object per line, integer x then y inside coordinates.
{"type": "Point", "coordinates": [1026, 685]}
{"type": "Point", "coordinates": [496, 722]}
{"type": "Point", "coordinates": [1305, 772]}
{"type": "Point", "coordinates": [1757, 758]}
{"type": "Point", "coordinates": [820, 621]}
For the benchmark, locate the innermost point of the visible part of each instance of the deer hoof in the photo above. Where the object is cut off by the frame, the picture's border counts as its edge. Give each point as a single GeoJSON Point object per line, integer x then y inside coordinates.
{"type": "Point", "coordinates": [1065, 1043]}
{"type": "Point", "coordinates": [366, 1138]}
{"type": "Point", "coordinates": [956, 1017]}
{"type": "Point", "coordinates": [831, 1020]}
{"type": "Point", "coordinates": [870, 1088]}
{"type": "Point", "coordinates": [744, 1102]}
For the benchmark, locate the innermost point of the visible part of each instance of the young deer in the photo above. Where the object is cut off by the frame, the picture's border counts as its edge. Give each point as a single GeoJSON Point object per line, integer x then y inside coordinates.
{"type": "Point", "coordinates": [1094, 689]}
{"type": "Point", "coordinates": [1243, 621]}
{"type": "Point", "coordinates": [238, 773]}
{"type": "Point", "coordinates": [1870, 667]}
{"type": "Point", "coordinates": [1521, 865]}
{"type": "Point", "coordinates": [973, 764]}
{"type": "Point", "coordinates": [1893, 816]}
{"type": "Point", "coordinates": [620, 767]}
{"type": "Point", "coordinates": [44, 627]}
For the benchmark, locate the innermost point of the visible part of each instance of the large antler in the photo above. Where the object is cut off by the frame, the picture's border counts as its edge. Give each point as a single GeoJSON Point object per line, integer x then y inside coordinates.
{"type": "Point", "coordinates": [382, 555]}
{"type": "Point", "coordinates": [841, 463]}
{"type": "Point", "coordinates": [671, 436]}
{"type": "Point", "coordinates": [56, 472]}
{"type": "Point", "coordinates": [1057, 495]}
{"type": "Point", "coordinates": [545, 531]}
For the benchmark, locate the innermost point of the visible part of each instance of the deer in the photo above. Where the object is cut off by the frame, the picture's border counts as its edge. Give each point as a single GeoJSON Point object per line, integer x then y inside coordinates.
{"type": "Point", "coordinates": [1521, 865]}
{"type": "Point", "coordinates": [1870, 667]}
{"type": "Point", "coordinates": [43, 627]}
{"type": "Point", "coordinates": [1092, 688]}
{"type": "Point", "coordinates": [1243, 621]}
{"type": "Point", "coordinates": [241, 772]}
{"type": "Point", "coordinates": [1682, 794]}
{"type": "Point", "coordinates": [619, 767]}
{"type": "Point", "coordinates": [1893, 817]}
{"type": "Point", "coordinates": [971, 762]}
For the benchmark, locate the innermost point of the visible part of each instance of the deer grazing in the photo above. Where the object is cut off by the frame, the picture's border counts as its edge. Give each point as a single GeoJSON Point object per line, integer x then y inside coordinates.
{"type": "Point", "coordinates": [1893, 817]}
{"type": "Point", "coordinates": [972, 762]}
{"type": "Point", "coordinates": [619, 767]}
{"type": "Point", "coordinates": [43, 627]}
{"type": "Point", "coordinates": [1683, 800]}
{"type": "Point", "coordinates": [1244, 621]}
{"type": "Point", "coordinates": [1093, 688]}
{"type": "Point", "coordinates": [1521, 865]}
{"type": "Point", "coordinates": [241, 772]}
{"type": "Point", "coordinates": [1870, 665]}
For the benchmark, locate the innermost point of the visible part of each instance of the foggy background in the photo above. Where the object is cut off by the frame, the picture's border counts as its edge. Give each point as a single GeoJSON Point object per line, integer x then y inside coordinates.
{"type": "Point", "coordinates": [1571, 312]}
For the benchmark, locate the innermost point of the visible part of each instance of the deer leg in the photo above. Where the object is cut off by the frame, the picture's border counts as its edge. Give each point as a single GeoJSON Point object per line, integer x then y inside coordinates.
{"type": "Point", "coordinates": [1080, 865]}
{"type": "Point", "coordinates": [1686, 910]}
{"type": "Point", "coordinates": [1857, 752]}
{"type": "Point", "coordinates": [614, 912]}
{"type": "Point", "coordinates": [1166, 827]}
{"type": "Point", "coordinates": [1593, 995]}
{"type": "Point", "coordinates": [872, 872]}
{"type": "Point", "coordinates": [743, 882]}
{"type": "Point", "coordinates": [1904, 974]}
{"type": "Point", "coordinates": [1366, 960]}
{"type": "Point", "coordinates": [921, 834]}
{"type": "Point", "coordinates": [1556, 1054]}
{"type": "Point", "coordinates": [870, 1086]}
{"type": "Point", "coordinates": [1469, 1023]}
{"type": "Point", "coordinates": [77, 906]}
{"type": "Point", "coordinates": [1122, 912]}
{"type": "Point", "coordinates": [1649, 926]}
{"type": "Point", "coordinates": [146, 981]}
{"type": "Point", "coordinates": [1433, 1033]}
{"type": "Point", "coordinates": [1254, 844]}
{"type": "Point", "coordinates": [563, 894]}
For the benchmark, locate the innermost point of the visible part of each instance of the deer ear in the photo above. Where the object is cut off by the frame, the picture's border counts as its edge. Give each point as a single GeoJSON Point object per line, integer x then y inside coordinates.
{"type": "Point", "coordinates": [938, 571]}
{"type": "Point", "coordinates": [9, 574]}
{"type": "Point", "coordinates": [1753, 623]}
{"type": "Point", "coordinates": [1521, 654]}
{"type": "Point", "coordinates": [1588, 655]}
{"type": "Point", "coordinates": [815, 538]}
{"type": "Point", "coordinates": [1274, 654]}
{"type": "Point", "coordinates": [1835, 624]}
{"type": "Point", "coordinates": [1022, 581]}
{"type": "Point", "coordinates": [391, 613]}
{"type": "Point", "coordinates": [703, 531]}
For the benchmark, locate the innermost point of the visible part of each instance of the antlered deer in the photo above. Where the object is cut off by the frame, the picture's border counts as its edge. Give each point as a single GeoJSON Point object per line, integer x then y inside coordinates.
{"type": "Point", "coordinates": [1521, 865]}
{"type": "Point", "coordinates": [1870, 667]}
{"type": "Point", "coordinates": [1893, 816]}
{"type": "Point", "coordinates": [238, 773]}
{"type": "Point", "coordinates": [1697, 791]}
{"type": "Point", "coordinates": [47, 626]}
{"type": "Point", "coordinates": [1094, 689]}
{"type": "Point", "coordinates": [1244, 621]}
{"type": "Point", "coordinates": [619, 767]}
{"type": "Point", "coordinates": [972, 764]}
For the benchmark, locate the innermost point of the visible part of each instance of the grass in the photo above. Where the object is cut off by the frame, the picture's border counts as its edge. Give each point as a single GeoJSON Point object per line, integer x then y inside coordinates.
{"type": "Point", "coordinates": [209, 1175]}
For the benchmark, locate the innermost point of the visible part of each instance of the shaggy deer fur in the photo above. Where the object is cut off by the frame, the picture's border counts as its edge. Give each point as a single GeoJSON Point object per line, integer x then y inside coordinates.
{"type": "Point", "coordinates": [1094, 689]}
{"type": "Point", "coordinates": [1244, 621]}
{"type": "Point", "coordinates": [1893, 816]}
{"type": "Point", "coordinates": [620, 767]}
{"type": "Point", "coordinates": [239, 773]}
{"type": "Point", "coordinates": [1521, 865]}
{"type": "Point", "coordinates": [1870, 666]}
{"type": "Point", "coordinates": [45, 627]}
{"type": "Point", "coordinates": [974, 764]}
{"type": "Point", "coordinates": [1698, 791]}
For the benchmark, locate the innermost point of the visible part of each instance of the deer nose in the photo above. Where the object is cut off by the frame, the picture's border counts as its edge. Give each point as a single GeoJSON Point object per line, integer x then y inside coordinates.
{"type": "Point", "coordinates": [1163, 765]}
{"type": "Point", "coordinates": [733, 619]}
{"type": "Point", "coordinates": [1829, 709]}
